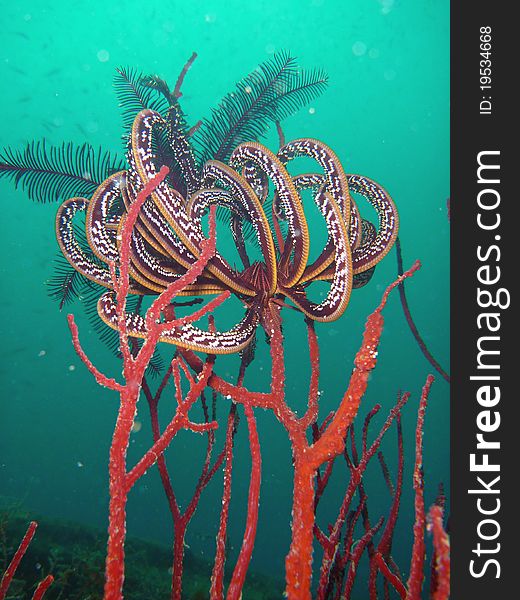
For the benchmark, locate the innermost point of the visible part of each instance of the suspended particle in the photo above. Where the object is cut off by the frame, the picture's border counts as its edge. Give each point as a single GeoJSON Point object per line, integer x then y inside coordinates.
{"type": "Point", "coordinates": [359, 48]}
{"type": "Point", "coordinates": [103, 56]}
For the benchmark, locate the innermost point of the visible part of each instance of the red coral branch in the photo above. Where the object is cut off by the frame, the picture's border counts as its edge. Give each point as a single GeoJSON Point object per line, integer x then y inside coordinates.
{"type": "Point", "coordinates": [314, 353]}
{"type": "Point", "coordinates": [331, 442]}
{"type": "Point", "coordinates": [42, 587]}
{"type": "Point", "coordinates": [441, 544]}
{"type": "Point", "coordinates": [217, 575]}
{"type": "Point", "coordinates": [416, 577]}
{"type": "Point", "coordinates": [101, 379]}
{"type": "Point", "coordinates": [15, 561]}
{"type": "Point", "coordinates": [328, 442]}
{"type": "Point", "coordinates": [135, 362]}
{"type": "Point", "coordinates": [389, 576]}
{"type": "Point", "coordinates": [179, 421]}
{"type": "Point", "coordinates": [385, 543]}
{"type": "Point", "coordinates": [246, 551]}
{"type": "Point", "coordinates": [357, 471]}
{"type": "Point", "coordinates": [356, 556]}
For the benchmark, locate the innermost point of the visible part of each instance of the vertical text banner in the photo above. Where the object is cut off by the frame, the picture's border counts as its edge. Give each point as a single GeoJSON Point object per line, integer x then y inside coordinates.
{"type": "Point", "coordinates": [485, 241]}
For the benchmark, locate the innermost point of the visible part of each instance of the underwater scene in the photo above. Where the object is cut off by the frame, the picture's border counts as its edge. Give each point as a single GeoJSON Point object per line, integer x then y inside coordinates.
{"type": "Point", "coordinates": [225, 289]}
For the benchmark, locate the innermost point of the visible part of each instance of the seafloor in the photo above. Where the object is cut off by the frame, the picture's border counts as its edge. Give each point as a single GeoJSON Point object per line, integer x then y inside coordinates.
{"type": "Point", "coordinates": [74, 554]}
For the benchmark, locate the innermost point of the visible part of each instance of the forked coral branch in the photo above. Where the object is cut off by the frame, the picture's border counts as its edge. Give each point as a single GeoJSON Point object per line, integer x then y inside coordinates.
{"type": "Point", "coordinates": [122, 479]}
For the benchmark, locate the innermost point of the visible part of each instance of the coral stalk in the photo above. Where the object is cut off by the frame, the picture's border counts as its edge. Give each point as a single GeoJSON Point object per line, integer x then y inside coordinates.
{"type": "Point", "coordinates": [356, 557]}
{"type": "Point", "coordinates": [441, 544]}
{"type": "Point", "coordinates": [7, 577]}
{"type": "Point", "coordinates": [416, 577]}
{"type": "Point", "coordinates": [307, 459]}
{"type": "Point", "coordinates": [217, 575]}
{"type": "Point", "coordinates": [253, 502]}
{"type": "Point", "coordinates": [385, 543]}
{"type": "Point", "coordinates": [356, 475]}
{"type": "Point", "coordinates": [15, 561]}
{"type": "Point", "coordinates": [42, 587]}
{"type": "Point", "coordinates": [409, 319]}
{"type": "Point", "coordinates": [121, 480]}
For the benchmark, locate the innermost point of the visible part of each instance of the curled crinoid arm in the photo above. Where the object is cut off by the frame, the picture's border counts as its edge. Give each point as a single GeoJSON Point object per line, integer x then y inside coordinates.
{"type": "Point", "coordinates": [245, 203]}
{"type": "Point", "coordinates": [166, 217]}
{"type": "Point", "coordinates": [100, 222]}
{"type": "Point", "coordinates": [181, 149]}
{"type": "Point", "coordinates": [169, 202]}
{"type": "Point", "coordinates": [71, 249]}
{"type": "Point", "coordinates": [298, 244]}
{"type": "Point", "coordinates": [336, 180]}
{"type": "Point", "coordinates": [187, 336]}
{"type": "Point", "coordinates": [153, 271]}
{"type": "Point", "coordinates": [323, 266]}
{"type": "Point", "coordinates": [375, 249]}
{"type": "Point", "coordinates": [338, 295]}
{"type": "Point", "coordinates": [153, 226]}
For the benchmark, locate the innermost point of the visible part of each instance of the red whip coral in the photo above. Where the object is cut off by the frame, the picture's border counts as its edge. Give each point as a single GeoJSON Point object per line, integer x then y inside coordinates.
{"type": "Point", "coordinates": [13, 565]}
{"type": "Point", "coordinates": [328, 442]}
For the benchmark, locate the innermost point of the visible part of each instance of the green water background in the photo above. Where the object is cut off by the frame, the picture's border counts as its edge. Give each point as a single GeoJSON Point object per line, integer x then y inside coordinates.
{"type": "Point", "coordinates": [385, 113]}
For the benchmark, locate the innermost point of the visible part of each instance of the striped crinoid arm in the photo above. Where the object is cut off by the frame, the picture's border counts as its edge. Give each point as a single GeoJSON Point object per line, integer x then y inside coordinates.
{"type": "Point", "coordinates": [165, 222]}
{"type": "Point", "coordinates": [317, 182]}
{"type": "Point", "coordinates": [336, 301]}
{"type": "Point", "coordinates": [153, 227]}
{"type": "Point", "coordinates": [71, 249]}
{"type": "Point", "coordinates": [181, 148]}
{"type": "Point", "coordinates": [368, 254]}
{"type": "Point", "coordinates": [333, 173]}
{"type": "Point", "coordinates": [154, 327]}
{"type": "Point", "coordinates": [371, 243]}
{"type": "Point", "coordinates": [100, 221]}
{"type": "Point", "coordinates": [244, 202]}
{"type": "Point", "coordinates": [186, 335]}
{"type": "Point", "coordinates": [169, 202]}
{"type": "Point", "coordinates": [296, 246]}
{"type": "Point", "coordinates": [92, 255]}
{"type": "Point", "coordinates": [340, 185]}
